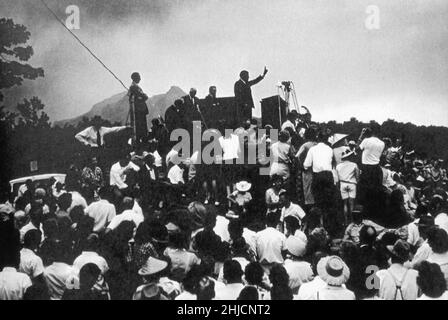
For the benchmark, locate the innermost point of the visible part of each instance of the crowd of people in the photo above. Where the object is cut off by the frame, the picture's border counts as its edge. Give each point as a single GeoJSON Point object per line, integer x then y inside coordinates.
{"type": "Point", "coordinates": [336, 217]}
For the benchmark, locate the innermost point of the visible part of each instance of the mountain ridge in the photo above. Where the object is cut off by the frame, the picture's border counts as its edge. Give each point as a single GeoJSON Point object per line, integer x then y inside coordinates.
{"type": "Point", "coordinates": [116, 107]}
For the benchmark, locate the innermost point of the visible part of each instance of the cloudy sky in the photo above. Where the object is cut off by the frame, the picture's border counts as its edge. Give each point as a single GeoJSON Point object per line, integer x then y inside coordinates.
{"type": "Point", "coordinates": [340, 68]}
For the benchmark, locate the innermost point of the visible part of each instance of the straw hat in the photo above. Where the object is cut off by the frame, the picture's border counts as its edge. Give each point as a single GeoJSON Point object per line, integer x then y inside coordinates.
{"type": "Point", "coordinates": [243, 186]}
{"type": "Point", "coordinates": [333, 270]}
{"type": "Point", "coordinates": [152, 266]}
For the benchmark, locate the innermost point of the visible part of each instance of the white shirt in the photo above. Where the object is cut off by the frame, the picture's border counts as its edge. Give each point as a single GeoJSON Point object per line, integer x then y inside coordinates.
{"type": "Point", "coordinates": [320, 158]}
{"type": "Point", "coordinates": [293, 210]}
{"type": "Point", "coordinates": [372, 150]}
{"type": "Point", "coordinates": [230, 146]}
{"type": "Point", "coordinates": [347, 171]}
{"type": "Point", "coordinates": [126, 215]}
{"type": "Point", "coordinates": [91, 257]}
{"type": "Point", "coordinates": [13, 284]}
{"type": "Point", "coordinates": [89, 135]}
{"type": "Point", "coordinates": [186, 296]}
{"type": "Point", "coordinates": [299, 272]}
{"type": "Point", "coordinates": [229, 292]}
{"type": "Point", "coordinates": [157, 159]}
{"type": "Point", "coordinates": [251, 239]}
{"type": "Point", "coordinates": [57, 276]}
{"type": "Point", "coordinates": [171, 155]}
{"type": "Point", "coordinates": [102, 212]}
{"type": "Point", "coordinates": [270, 244]}
{"type": "Point", "coordinates": [422, 254]}
{"type": "Point", "coordinates": [30, 263]}
{"type": "Point", "coordinates": [442, 221]}
{"type": "Point", "coordinates": [29, 226]}
{"type": "Point", "coordinates": [77, 200]}
{"type": "Point", "coordinates": [308, 290]}
{"type": "Point", "coordinates": [118, 175]}
{"type": "Point", "coordinates": [176, 175]}
{"type": "Point", "coordinates": [334, 293]}
{"type": "Point", "coordinates": [221, 228]}
{"type": "Point", "coordinates": [390, 278]}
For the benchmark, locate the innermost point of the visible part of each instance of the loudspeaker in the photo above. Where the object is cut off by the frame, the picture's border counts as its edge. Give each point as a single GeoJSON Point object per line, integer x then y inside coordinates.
{"type": "Point", "coordinates": [273, 111]}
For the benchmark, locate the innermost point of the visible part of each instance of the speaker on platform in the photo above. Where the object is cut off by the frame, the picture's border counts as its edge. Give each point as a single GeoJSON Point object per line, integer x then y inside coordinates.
{"type": "Point", "coordinates": [273, 111]}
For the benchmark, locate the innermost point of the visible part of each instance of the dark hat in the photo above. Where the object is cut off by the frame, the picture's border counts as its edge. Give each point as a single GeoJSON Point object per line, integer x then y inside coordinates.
{"type": "Point", "coordinates": [426, 221]}
{"type": "Point", "coordinates": [401, 249]}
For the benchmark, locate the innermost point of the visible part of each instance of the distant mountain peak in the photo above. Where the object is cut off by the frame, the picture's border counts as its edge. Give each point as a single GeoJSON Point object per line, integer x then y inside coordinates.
{"type": "Point", "coordinates": [116, 107]}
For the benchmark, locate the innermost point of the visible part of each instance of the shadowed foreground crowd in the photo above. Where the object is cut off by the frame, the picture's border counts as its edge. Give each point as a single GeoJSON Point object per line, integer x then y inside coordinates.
{"type": "Point", "coordinates": [334, 219]}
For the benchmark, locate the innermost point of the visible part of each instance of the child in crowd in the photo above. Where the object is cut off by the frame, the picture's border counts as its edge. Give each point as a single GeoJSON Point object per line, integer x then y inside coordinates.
{"type": "Point", "coordinates": [348, 176]}
{"type": "Point", "coordinates": [240, 198]}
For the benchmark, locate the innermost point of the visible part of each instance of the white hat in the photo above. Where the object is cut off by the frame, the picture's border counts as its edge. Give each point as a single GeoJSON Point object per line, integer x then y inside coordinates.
{"type": "Point", "coordinates": [296, 246]}
{"type": "Point", "coordinates": [335, 138]}
{"type": "Point", "coordinates": [333, 270]}
{"type": "Point", "coordinates": [243, 186]}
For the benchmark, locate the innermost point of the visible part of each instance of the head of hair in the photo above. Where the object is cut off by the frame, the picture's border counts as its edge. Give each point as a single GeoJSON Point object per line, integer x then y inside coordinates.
{"type": "Point", "coordinates": [254, 273]}
{"type": "Point", "coordinates": [191, 281]}
{"type": "Point", "coordinates": [88, 275]}
{"type": "Point", "coordinates": [21, 203]}
{"type": "Point", "coordinates": [322, 137]}
{"type": "Point", "coordinates": [91, 243]}
{"type": "Point", "coordinates": [135, 76]}
{"type": "Point", "coordinates": [248, 293]}
{"type": "Point", "coordinates": [235, 228]}
{"type": "Point", "coordinates": [104, 193]}
{"type": "Point", "coordinates": [178, 240]}
{"type": "Point", "coordinates": [310, 134]}
{"type": "Point", "coordinates": [32, 239]}
{"type": "Point", "coordinates": [272, 218]}
{"type": "Point", "coordinates": [76, 213]}
{"type": "Point", "coordinates": [280, 283]}
{"type": "Point", "coordinates": [292, 224]}
{"type": "Point", "coordinates": [244, 74]}
{"type": "Point", "coordinates": [232, 271]}
{"type": "Point", "coordinates": [438, 240]}
{"type": "Point", "coordinates": [36, 214]}
{"type": "Point", "coordinates": [431, 279]}
{"type": "Point", "coordinates": [127, 203]}
{"type": "Point", "coordinates": [65, 201]}
{"type": "Point", "coordinates": [283, 136]}
{"type": "Point", "coordinates": [367, 235]}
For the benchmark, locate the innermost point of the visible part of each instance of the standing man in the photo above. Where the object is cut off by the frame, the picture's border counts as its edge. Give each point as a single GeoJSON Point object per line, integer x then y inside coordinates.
{"type": "Point", "coordinates": [93, 136]}
{"type": "Point", "coordinates": [371, 177]}
{"type": "Point", "coordinates": [137, 99]}
{"type": "Point", "coordinates": [212, 109]}
{"type": "Point", "coordinates": [175, 116]}
{"type": "Point", "coordinates": [192, 110]}
{"type": "Point", "coordinates": [243, 95]}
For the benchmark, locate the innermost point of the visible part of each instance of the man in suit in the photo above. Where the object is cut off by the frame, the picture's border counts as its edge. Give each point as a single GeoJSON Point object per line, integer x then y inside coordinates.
{"type": "Point", "coordinates": [212, 110]}
{"type": "Point", "coordinates": [192, 109]}
{"type": "Point", "coordinates": [175, 116]}
{"type": "Point", "coordinates": [243, 95]}
{"type": "Point", "coordinates": [138, 98]}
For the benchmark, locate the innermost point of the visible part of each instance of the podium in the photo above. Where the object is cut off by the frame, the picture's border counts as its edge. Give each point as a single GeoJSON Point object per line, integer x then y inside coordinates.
{"type": "Point", "coordinates": [273, 111]}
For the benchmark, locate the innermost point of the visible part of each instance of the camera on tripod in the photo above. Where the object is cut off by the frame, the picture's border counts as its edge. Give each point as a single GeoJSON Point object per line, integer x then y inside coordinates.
{"type": "Point", "coordinates": [287, 85]}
